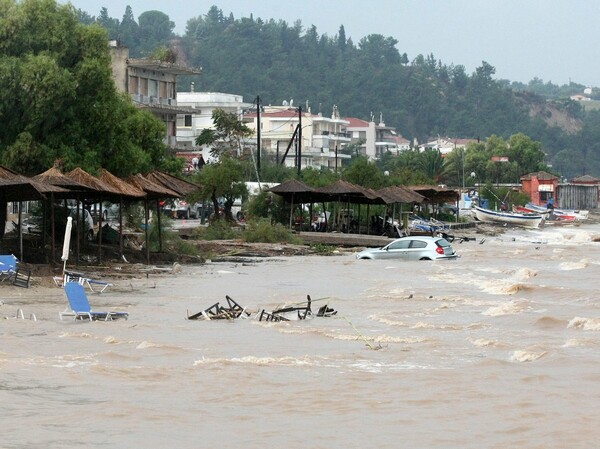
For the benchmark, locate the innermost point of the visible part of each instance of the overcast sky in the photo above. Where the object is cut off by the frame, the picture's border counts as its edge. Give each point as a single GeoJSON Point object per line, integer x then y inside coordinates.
{"type": "Point", "coordinates": [555, 40]}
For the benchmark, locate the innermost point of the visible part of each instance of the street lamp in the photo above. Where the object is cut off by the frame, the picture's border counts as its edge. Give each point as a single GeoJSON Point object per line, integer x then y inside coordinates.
{"type": "Point", "coordinates": [474, 176]}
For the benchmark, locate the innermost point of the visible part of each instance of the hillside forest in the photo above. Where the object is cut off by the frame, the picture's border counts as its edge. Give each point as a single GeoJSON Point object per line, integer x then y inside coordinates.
{"type": "Point", "coordinates": [536, 125]}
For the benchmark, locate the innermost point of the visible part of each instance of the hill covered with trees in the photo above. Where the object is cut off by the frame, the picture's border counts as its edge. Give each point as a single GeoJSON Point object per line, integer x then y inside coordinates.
{"type": "Point", "coordinates": [419, 95]}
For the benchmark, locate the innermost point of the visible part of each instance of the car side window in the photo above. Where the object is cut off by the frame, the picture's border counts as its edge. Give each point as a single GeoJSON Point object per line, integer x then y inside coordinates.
{"type": "Point", "coordinates": [401, 244]}
{"type": "Point", "coordinates": [418, 244]}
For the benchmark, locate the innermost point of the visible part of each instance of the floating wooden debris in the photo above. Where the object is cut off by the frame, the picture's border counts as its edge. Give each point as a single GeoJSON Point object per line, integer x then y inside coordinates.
{"type": "Point", "coordinates": [219, 312]}
{"type": "Point", "coordinates": [303, 311]}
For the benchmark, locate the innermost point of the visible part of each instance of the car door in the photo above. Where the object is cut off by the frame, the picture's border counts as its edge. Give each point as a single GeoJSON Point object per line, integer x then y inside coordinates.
{"type": "Point", "coordinates": [417, 250]}
{"type": "Point", "coordinates": [397, 250]}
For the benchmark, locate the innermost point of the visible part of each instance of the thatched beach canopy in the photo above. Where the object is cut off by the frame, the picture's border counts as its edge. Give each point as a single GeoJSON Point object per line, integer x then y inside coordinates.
{"type": "Point", "coordinates": [152, 189]}
{"type": "Point", "coordinates": [127, 190]}
{"type": "Point", "coordinates": [54, 176]}
{"type": "Point", "coordinates": [93, 184]}
{"type": "Point", "coordinates": [16, 187]}
{"type": "Point", "coordinates": [181, 186]}
{"type": "Point", "coordinates": [344, 191]}
{"type": "Point", "coordinates": [295, 190]}
{"type": "Point", "coordinates": [436, 194]}
{"type": "Point", "coordinates": [400, 194]}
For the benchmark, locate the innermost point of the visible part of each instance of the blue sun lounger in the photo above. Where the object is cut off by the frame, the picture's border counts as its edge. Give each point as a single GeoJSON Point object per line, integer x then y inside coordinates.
{"type": "Point", "coordinates": [9, 270]}
{"type": "Point", "coordinates": [80, 306]}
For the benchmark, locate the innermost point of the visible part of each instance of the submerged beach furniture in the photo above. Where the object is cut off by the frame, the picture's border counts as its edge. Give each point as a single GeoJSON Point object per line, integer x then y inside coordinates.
{"type": "Point", "coordinates": [219, 312]}
{"type": "Point", "coordinates": [80, 306]}
{"type": "Point", "coordinates": [11, 272]}
{"type": "Point", "coordinates": [80, 278]}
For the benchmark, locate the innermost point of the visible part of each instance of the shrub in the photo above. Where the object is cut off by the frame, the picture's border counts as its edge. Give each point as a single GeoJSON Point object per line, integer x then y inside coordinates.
{"type": "Point", "coordinates": [323, 249]}
{"type": "Point", "coordinates": [216, 230]}
{"type": "Point", "coordinates": [262, 231]}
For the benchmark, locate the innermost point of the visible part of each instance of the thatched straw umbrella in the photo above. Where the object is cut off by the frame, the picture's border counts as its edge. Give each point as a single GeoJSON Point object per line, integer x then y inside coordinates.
{"type": "Point", "coordinates": [55, 177]}
{"type": "Point", "coordinates": [100, 189]}
{"type": "Point", "coordinates": [400, 194]}
{"type": "Point", "coordinates": [181, 186]}
{"type": "Point", "coordinates": [126, 191]}
{"type": "Point", "coordinates": [156, 192]}
{"type": "Point", "coordinates": [16, 187]}
{"type": "Point", "coordinates": [347, 192]}
{"type": "Point", "coordinates": [291, 190]}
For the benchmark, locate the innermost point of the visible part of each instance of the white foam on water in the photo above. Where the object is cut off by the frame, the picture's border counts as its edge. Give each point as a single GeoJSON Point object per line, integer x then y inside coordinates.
{"type": "Point", "coordinates": [508, 308]}
{"type": "Point", "coordinates": [567, 266]}
{"type": "Point", "coordinates": [580, 342]}
{"type": "Point", "coordinates": [482, 342]}
{"type": "Point", "coordinates": [587, 324]}
{"type": "Point", "coordinates": [527, 356]}
{"type": "Point", "coordinates": [305, 361]}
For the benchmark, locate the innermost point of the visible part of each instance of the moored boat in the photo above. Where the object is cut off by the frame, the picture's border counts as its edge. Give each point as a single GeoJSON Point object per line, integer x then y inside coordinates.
{"type": "Point", "coordinates": [528, 220]}
{"type": "Point", "coordinates": [561, 214]}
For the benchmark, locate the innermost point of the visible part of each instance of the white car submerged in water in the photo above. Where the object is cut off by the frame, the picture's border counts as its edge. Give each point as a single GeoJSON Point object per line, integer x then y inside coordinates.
{"type": "Point", "coordinates": [412, 248]}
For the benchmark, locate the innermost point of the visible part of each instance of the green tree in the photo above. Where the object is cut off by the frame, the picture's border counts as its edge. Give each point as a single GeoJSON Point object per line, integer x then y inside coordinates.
{"type": "Point", "coordinates": [129, 31]}
{"type": "Point", "coordinates": [221, 180]}
{"type": "Point", "coordinates": [431, 164]}
{"type": "Point", "coordinates": [364, 173]}
{"type": "Point", "coordinates": [227, 136]}
{"type": "Point", "coordinates": [59, 99]}
{"type": "Point", "coordinates": [155, 30]}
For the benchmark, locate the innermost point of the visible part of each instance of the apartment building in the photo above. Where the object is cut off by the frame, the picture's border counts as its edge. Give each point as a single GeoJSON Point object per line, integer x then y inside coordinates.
{"type": "Point", "coordinates": [375, 139]}
{"type": "Point", "coordinates": [152, 85]}
{"type": "Point", "coordinates": [293, 135]}
{"type": "Point", "coordinates": [200, 107]}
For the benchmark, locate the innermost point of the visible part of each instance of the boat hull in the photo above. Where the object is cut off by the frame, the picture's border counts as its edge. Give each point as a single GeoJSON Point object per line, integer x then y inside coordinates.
{"type": "Point", "coordinates": [518, 219]}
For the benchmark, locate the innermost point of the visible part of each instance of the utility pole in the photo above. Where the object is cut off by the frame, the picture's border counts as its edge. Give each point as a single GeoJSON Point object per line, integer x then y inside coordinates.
{"type": "Point", "coordinates": [299, 140]}
{"type": "Point", "coordinates": [258, 134]}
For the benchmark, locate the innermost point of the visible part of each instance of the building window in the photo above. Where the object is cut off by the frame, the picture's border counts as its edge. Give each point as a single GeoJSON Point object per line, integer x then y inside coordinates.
{"type": "Point", "coordinates": [188, 120]}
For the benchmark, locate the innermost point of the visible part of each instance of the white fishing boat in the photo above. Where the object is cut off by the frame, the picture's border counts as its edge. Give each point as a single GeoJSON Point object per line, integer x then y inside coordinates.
{"type": "Point", "coordinates": [573, 214]}
{"type": "Point", "coordinates": [528, 220]}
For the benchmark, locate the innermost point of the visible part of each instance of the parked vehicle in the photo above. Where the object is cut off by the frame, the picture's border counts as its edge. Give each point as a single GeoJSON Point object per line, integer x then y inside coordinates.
{"type": "Point", "coordinates": [33, 224]}
{"type": "Point", "coordinates": [183, 209]}
{"type": "Point", "coordinates": [412, 248]}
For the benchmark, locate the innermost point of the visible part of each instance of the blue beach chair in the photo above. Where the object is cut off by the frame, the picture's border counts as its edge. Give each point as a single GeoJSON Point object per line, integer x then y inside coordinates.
{"type": "Point", "coordinates": [11, 272]}
{"type": "Point", "coordinates": [8, 266]}
{"type": "Point", "coordinates": [80, 306]}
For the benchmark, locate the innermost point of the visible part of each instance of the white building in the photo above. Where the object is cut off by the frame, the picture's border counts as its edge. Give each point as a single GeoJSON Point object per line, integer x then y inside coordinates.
{"type": "Point", "coordinates": [189, 126]}
{"type": "Point", "coordinates": [321, 143]}
{"type": "Point", "coordinates": [446, 145]}
{"type": "Point", "coordinates": [376, 139]}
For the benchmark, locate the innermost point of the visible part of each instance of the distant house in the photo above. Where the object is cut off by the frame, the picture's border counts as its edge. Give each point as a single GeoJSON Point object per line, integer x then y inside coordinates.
{"type": "Point", "coordinates": [200, 107]}
{"type": "Point", "coordinates": [151, 84]}
{"type": "Point", "coordinates": [446, 145]}
{"type": "Point", "coordinates": [288, 132]}
{"type": "Point", "coordinates": [376, 138]}
{"type": "Point", "coordinates": [540, 186]}
{"type": "Point", "coordinates": [579, 97]}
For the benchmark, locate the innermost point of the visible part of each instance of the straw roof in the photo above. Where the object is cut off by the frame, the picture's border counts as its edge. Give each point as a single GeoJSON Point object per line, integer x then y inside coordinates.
{"type": "Point", "coordinates": [400, 194]}
{"type": "Point", "coordinates": [126, 189]}
{"type": "Point", "coordinates": [57, 178]}
{"type": "Point", "coordinates": [436, 194]}
{"type": "Point", "coordinates": [153, 190]}
{"type": "Point", "coordinates": [291, 186]}
{"type": "Point", "coordinates": [342, 188]}
{"type": "Point", "coordinates": [295, 190]}
{"type": "Point", "coordinates": [16, 187]}
{"type": "Point", "coordinates": [181, 186]}
{"type": "Point", "coordinates": [92, 183]}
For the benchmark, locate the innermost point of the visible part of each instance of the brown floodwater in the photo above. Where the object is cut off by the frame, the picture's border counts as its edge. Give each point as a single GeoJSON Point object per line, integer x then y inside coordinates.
{"type": "Point", "coordinates": [497, 349]}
